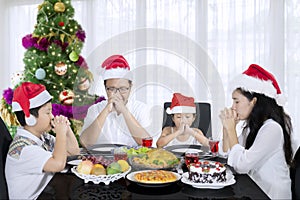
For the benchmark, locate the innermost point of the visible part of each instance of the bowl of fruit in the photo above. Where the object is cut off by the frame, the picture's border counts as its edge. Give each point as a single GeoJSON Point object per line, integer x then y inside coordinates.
{"type": "Point", "coordinates": [101, 170]}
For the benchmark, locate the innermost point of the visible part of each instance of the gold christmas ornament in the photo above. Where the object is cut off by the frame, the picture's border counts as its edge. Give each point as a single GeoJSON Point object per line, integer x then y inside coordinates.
{"type": "Point", "coordinates": [59, 7]}
{"type": "Point", "coordinates": [66, 97]}
{"type": "Point", "coordinates": [60, 68]}
{"type": "Point", "coordinates": [8, 117]}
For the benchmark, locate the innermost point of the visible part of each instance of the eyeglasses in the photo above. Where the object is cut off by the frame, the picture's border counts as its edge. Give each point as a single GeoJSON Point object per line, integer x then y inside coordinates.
{"type": "Point", "coordinates": [122, 90]}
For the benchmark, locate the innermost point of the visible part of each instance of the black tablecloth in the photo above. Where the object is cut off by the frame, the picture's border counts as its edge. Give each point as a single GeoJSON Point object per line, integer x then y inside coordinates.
{"type": "Point", "coordinates": [69, 186]}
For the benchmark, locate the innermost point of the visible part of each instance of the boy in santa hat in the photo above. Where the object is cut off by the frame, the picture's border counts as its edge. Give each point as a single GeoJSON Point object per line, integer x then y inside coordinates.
{"type": "Point", "coordinates": [34, 155]}
{"type": "Point", "coordinates": [118, 120]}
{"type": "Point", "coordinates": [263, 150]}
{"type": "Point", "coordinates": [183, 111]}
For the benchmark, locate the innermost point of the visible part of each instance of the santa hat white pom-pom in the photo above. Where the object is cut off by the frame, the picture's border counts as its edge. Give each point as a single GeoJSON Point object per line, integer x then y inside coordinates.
{"type": "Point", "coordinates": [280, 99]}
{"type": "Point", "coordinates": [31, 120]}
{"type": "Point", "coordinates": [168, 111]}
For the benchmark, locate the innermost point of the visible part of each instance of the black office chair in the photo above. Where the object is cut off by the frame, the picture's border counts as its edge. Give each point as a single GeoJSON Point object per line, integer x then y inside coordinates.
{"type": "Point", "coordinates": [202, 121]}
{"type": "Point", "coordinates": [5, 140]}
{"type": "Point", "coordinates": [295, 176]}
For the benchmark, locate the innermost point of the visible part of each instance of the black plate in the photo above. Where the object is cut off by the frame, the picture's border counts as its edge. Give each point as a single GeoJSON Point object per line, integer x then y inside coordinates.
{"type": "Point", "coordinates": [144, 192]}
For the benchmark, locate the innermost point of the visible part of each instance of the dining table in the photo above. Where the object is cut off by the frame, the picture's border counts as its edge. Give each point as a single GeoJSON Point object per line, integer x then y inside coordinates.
{"type": "Point", "coordinates": [66, 185]}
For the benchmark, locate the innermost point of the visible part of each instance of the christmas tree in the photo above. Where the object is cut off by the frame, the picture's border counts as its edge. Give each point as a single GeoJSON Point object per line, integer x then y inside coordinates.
{"type": "Point", "coordinates": [52, 58]}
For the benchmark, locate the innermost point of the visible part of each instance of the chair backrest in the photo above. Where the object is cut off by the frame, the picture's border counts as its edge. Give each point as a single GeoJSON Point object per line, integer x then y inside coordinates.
{"type": "Point", "coordinates": [295, 176]}
{"type": "Point", "coordinates": [202, 121]}
{"type": "Point", "coordinates": [5, 140]}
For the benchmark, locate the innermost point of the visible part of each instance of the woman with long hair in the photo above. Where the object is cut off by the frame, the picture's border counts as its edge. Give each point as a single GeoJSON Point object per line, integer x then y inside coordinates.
{"type": "Point", "coordinates": [263, 150]}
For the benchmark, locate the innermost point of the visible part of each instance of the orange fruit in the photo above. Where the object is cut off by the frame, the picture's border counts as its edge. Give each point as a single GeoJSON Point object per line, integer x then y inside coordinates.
{"type": "Point", "coordinates": [99, 165]}
{"type": "Point", "coordinates": [98, 169]}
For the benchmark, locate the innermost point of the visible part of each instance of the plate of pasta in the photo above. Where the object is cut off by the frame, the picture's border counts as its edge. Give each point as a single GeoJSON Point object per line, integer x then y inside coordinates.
{"type": "Point", "coordinates": [153, 178]}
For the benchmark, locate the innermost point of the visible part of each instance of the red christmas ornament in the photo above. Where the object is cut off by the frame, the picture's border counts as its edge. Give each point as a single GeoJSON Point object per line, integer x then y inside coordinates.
{"type": "Point", "coordinates": [61, 24]}
{"type": "Point", "coordinates": [65, 93]}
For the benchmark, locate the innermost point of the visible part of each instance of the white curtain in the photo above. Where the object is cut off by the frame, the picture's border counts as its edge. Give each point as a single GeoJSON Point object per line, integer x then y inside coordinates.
{"type": "Point", "coordinates": [194, 46]}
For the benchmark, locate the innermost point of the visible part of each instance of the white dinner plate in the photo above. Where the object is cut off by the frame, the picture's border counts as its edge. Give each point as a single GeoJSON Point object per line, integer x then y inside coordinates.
{"type": "Point", "coordinates": [130, 177]}
{"type": "Point", "coordinates": [183, 150]}
{"type": "Point", "coordinates": [229, 176]}
{"type": "Point", "coordinates": [101, 149]}
{"type": "Point", "coordinates": [74, 162]}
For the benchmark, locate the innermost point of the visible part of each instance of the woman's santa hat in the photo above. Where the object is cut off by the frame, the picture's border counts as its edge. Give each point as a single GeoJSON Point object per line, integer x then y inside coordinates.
{"type": "Point", "coordinates": [256, 79]}
{"type": "Point", "coordinates": [116, 66]}
{"type": "Point", "coordinates": [27, 96]}
{"type": "Point", "coordinates": [181, 104]}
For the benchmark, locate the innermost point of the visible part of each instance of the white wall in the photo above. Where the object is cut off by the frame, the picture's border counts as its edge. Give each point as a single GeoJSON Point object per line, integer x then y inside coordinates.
{"type": "Point", "coordinates": [4, 61]}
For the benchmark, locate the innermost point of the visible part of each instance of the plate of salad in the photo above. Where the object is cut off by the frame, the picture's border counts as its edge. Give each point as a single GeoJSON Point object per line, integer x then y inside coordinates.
{"type": "Point", "coordinates": [136, 151]}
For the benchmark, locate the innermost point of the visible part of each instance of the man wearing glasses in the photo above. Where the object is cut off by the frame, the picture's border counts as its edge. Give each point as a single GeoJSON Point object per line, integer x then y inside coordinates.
{"type": "Point", "coordinates": [118, 120]}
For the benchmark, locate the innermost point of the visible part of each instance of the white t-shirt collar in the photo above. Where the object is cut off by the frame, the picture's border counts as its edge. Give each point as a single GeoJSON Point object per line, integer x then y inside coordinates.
{"type": "Point", "coordinates": [22, 132]}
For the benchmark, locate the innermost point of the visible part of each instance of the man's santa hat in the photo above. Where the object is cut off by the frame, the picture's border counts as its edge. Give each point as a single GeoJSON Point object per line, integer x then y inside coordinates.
{"type": "Point", "coordinates": [181, 104]}
{"type": "Point", "coordinates": [256, 79]}
{"type": "Point", "coordinates": [27, 96]}
{"type": "Point", "coordinates": [116, 66]}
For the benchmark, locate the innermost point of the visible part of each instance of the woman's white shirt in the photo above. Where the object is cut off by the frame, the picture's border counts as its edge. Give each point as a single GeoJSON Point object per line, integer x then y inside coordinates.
{"type": "Point", "coordinates": [264, 161]}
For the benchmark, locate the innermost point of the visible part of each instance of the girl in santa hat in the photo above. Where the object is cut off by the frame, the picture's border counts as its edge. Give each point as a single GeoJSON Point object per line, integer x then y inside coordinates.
{"type": "Point", "coordinates": [183, 111]}
{"type": "Point", "coordinates": [34, 155]}
{"type": "Point", "coordinates": [263, 150]}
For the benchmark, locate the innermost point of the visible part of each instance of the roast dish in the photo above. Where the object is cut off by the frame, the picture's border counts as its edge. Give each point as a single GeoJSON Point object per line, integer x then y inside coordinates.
{"type": "Point", "coordinates": [156, 159]}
